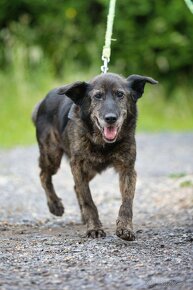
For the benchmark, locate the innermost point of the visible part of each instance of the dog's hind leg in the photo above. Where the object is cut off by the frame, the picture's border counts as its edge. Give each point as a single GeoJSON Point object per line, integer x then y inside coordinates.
{"type": "Point", "coordinates": [49, 162]}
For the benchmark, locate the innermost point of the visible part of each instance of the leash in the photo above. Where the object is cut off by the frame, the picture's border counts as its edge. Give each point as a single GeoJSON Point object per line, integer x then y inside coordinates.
{"type": "Point", "coordinates": [189, 3]}
{"type": "Point", "coordinates": [107, 47]}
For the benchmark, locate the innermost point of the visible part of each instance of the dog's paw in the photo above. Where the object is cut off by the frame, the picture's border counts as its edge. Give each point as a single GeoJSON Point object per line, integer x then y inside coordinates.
{"type": "Point", "coordinates": [56, 207]}
{"type": "Point", "coordinates": [125, 234]}
{"type": "Point", "coordinates": [96, 233]}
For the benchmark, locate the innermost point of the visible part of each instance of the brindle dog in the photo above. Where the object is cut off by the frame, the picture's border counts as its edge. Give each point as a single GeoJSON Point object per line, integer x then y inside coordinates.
{"type": "Point", "coordinates": [94, 125]}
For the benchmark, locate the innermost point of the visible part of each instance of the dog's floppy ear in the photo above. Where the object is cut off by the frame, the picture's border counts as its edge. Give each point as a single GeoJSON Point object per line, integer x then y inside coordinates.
{"type": "Point", "coordinates": [75, 91]}
{"type": "Point", "coordinates": [137, 83]}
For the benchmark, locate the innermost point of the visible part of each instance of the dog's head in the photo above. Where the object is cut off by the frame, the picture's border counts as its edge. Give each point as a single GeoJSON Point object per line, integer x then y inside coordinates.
{"type": "Point", "coordinates": [108, 100]}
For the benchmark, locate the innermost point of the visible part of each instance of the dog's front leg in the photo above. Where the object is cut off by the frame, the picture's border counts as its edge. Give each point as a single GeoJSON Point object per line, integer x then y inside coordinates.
{"type": "Point", "coordinates": [127, 179]}
{"type": "Point", "coordinates": [88, 208]}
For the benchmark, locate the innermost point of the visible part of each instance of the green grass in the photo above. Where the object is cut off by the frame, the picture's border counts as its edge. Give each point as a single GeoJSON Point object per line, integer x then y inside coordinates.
{"type": "Point", "coordinates": [21, 90]}
{"type": "Point", "coordinates": [18, 97]}
{"type": "Point", "coordinates": [187, 183]}
{"type": "Point", "coordinates": [177, 175]}
{"type": "Point", "coordinates": [157, 113]}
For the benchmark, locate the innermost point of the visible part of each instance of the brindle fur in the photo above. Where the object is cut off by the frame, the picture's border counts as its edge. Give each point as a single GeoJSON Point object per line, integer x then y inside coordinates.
{"type": "Point", "coordinates": [68, 122]}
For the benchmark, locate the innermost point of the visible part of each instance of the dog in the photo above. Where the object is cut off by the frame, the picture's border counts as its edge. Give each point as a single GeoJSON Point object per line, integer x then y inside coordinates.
{"type": "Point", "coordinates": [93, 123]}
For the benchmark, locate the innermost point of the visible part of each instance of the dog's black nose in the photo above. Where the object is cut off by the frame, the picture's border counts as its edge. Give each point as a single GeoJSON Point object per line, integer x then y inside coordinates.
{"type": "Point", "coordinates": [110, 118]}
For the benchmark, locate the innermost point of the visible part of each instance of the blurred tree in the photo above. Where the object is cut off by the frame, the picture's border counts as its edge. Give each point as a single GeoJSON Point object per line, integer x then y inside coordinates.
{"type": "Point", "coordinates": [153, 37]}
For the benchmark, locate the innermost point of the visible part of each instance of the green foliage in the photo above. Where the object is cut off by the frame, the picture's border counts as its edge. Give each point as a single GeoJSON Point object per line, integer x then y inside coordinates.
{"type": "Point", "coordinates": [158, 39]}
{"type": "Point", "coordinates": [153, 37]}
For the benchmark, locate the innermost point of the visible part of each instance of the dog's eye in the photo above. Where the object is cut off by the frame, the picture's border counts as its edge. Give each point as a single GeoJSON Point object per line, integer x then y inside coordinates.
{"type": "Point", "coordinates": [120, 94]}
{"type": "Point", "coordinates": [98, 96]}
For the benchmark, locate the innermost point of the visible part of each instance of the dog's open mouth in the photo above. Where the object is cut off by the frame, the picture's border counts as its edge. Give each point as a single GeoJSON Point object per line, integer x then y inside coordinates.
{"type": "Point", "coordinates": [110, 133]}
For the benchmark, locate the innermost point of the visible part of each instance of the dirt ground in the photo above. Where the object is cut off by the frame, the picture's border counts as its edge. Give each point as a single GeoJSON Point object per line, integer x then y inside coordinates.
{"type": "Point", "coordinates": [40, 251]}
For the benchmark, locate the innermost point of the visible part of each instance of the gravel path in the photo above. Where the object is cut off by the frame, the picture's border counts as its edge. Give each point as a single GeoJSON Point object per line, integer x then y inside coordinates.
{"type": "Point", "coordinates": [40, 251]}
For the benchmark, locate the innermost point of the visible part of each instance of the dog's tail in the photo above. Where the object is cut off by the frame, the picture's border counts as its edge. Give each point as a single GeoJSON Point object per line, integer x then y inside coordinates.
{"type": "Point", "coordinates": [35, 112]}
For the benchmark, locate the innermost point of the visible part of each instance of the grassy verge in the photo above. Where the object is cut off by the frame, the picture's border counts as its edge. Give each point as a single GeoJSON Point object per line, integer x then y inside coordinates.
{"type": "Point", "coordinates": [20, 91]}
{"type": "Point", "coordinates": [157, 113]}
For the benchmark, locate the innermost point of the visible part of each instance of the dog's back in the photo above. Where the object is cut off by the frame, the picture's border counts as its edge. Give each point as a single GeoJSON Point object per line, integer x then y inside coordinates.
{"type": "Point", "coordinates": [52, 111]}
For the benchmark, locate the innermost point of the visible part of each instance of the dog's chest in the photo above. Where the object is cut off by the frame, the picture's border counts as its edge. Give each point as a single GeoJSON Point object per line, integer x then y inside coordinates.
{"type": "Point", "coordinates": [97, 162]}
{"type": "Point", "coordinates": [99, 159]}
{"type": "Point", "coordinates": [98, 156]}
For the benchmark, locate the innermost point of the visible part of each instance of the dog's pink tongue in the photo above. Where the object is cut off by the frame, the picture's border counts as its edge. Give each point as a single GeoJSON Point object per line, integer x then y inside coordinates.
{"type": "Point", "coordinates": [110, 132]}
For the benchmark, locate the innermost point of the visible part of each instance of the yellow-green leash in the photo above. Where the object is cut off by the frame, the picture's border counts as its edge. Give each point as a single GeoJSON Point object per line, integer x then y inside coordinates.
{"type": "Point", "coordinates": [189, 3]}
{"type": "Point", "coordinates": [107, 47]}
